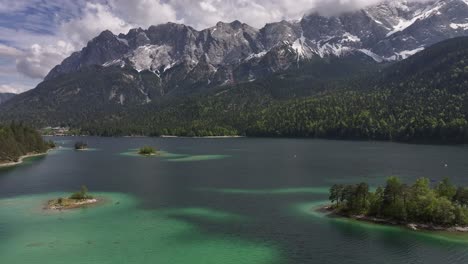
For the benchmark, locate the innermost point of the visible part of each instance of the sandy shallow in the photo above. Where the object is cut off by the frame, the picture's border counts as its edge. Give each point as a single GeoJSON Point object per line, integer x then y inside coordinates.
{"type": "Point", "coordinates": [409, 225]}
{"type": "Point", "coordinates": [21, 159]}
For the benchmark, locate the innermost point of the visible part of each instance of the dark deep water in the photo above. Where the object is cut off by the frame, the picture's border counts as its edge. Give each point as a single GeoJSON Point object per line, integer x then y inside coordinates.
{"type": "Point", "coordinates": [222, 201]}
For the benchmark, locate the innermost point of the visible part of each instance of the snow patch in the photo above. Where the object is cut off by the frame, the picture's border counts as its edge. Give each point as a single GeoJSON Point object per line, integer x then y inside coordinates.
{"type": "Point", "coordinates": [151, 57]}
{"type": "Point", "coordinates": [407, 53]}
{"type": "Point", "coordinates": [378, 22]}
{"type": "Point", "coordinates": [457, 26]}
{"type": "Point", "coordinates": [301, 48]}
{"type": "Point", "coordinates": [422, 14]}
{"type": "Point", "coordinates": [348, 37]}
{"type": "Point", "coordinates": [124, 41]}
{"type": "Point", "coordinates": [128, 76]}
{"type": "Point", "coordinates": [119, 63]}
{"type": "Point", "coordinates": [256, 55]}
{"type": "Point", "coordinates": [168, 67]}
{"type": "Point", "coordinates": [299, 45]}
{"type": "Point", "coordinates": [112, 94]}
{"type": "Point", "coordinates": [326, 49]}
{"type": "Point", "coordinates": [371, 54]}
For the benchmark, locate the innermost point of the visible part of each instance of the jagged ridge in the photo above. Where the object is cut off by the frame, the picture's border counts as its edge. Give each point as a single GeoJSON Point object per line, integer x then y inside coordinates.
{"type": "Point", "coordinates": [234, 52]}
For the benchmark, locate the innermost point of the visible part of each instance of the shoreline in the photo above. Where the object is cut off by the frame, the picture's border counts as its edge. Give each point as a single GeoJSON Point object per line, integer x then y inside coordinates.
{"type": "Point", "coordinates": [148, 155]}
{"type": "Point", "coordinates": [155, 154]}
{"type": "Point", "coordinates": [53, 205]}
{"type": "Point", "coordinates": [380, 221]}
{"type": "Point", "coordinates": [22, 158]}
{"type": "Point", "coordinates": [207, 137]}
{"type": "Point", "coordinates": [82, 149]}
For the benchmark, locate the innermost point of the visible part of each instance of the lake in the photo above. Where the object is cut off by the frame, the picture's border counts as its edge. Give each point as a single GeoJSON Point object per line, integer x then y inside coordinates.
{"type": "Point", "coordinates": [205, 201]}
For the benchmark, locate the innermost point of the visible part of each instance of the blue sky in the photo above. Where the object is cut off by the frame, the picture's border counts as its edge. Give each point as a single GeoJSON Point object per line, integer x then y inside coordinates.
{"type": "Point", "coordinates": [22, 25]}
{"type": "Point", "coordinates": [36, 35]}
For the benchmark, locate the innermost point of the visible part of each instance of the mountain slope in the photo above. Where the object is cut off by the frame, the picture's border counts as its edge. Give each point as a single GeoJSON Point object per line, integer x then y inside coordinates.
{"type": "Point", "coordinates": [234, 52]}
{"type": "Point", "coordinates": [138, 78]}
{"type": "Point", "coordinates": [423, 98]}
{"type": "Point", "coordinates": [399, 105]}
{"type": "Point", "coordinates": [443, 66]}
{"type": "Point", "coordinates": [405, 102]}
{"type": "Point", "coordinates": [5, 97]}
{"type": "Point", "coordinates": [106, 91]}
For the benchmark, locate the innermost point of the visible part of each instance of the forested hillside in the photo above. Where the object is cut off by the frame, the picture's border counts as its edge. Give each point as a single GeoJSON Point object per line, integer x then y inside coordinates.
{"type": "Point", "coordinates": [5, 97]}
{"type": "Point", "coordinates": [17, 140]}
{"type": "Point", "coordinates": [423, 98]}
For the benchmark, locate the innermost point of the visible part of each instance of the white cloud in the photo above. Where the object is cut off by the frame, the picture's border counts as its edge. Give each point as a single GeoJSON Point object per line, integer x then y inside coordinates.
{"type": "Point", "coordinates": [38, 59]}
{"type": "Point", "coordinates": [78, 21]}
{"type": "Point", "coordinates": [203, 14]}
{"type": "Point", "coordinates": [207, 6]}
{"type": "Point", "coordinates": [144, 12]}
{"type": "Point", "coordinates": [45, 52]}
{"type": "Point", "coordinates": [8, 51]}
{"type": "Point", "coordinates": [95, 19]}
{"type": "Point", "coordinates": [14, 88]}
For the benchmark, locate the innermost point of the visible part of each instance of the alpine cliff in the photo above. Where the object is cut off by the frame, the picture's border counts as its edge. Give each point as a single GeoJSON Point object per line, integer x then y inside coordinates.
{"type": "Point", "coordinates": [233, 52]}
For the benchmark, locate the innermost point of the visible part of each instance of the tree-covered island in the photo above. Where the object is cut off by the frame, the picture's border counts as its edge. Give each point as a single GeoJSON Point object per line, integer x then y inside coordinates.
{"type": "Point", "coordinates": [76, 200]}
{"type": "Point", "coordinates": [443, 207]}
{"type": "Point", "coordinates": [18, 141]}
{"type": "Point", "coordinates": [81, 145]}
{"type": "Point", "coordinates": [147, 151]}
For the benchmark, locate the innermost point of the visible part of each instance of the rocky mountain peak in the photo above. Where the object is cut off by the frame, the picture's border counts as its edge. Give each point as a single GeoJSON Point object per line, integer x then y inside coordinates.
{"type": "Point", "coordinates": [104, 36]}
{"type": "Point", "coordinates": [392, 30]}
{"type": "Point", "coordinates": [236, 24]}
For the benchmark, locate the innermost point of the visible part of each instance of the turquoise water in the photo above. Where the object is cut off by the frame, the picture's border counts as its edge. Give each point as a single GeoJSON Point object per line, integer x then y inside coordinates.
{"type": "Point", "coordinates": [174, 157]}
{"type": "Point", "coordinates": [217, 201]}
{"type": "Point", "coordinates": [311, 210]}
{"type": "Point", "coordinates": [309, 190]}
{"type": "Point", "coordinates": [117, 231]}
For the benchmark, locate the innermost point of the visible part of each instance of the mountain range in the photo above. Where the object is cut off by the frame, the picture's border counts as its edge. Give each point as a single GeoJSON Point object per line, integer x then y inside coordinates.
{"type": "Point", "coordinates": [153, 69]}
{"type": "Point", "coordinates": [183, 58]}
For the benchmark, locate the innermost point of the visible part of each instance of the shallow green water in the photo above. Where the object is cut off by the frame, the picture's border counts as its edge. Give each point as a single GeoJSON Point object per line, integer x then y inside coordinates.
{"type": "Point", "coordinates": [217, 201]}
{"type": "Point", "coordinates": [311, 209]}
{"type": "Point", "coordinates": [119, 232]}
{"type": "Point", "coordinates": [174, 157]}
{"type": "Point", "coordinates": [310, 190]}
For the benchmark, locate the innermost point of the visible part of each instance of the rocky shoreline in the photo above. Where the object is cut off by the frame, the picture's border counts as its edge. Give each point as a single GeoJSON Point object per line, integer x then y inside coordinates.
{"type": "Point", "coordinates": [67, 204]}
{"type": "Point", "coordinates": [412, 226]}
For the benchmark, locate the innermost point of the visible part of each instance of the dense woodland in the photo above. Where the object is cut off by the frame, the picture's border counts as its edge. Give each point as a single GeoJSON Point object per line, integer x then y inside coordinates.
{"type": "Point", "coordinates": [444, 205]}
{"type": "Point", "coordinates": [17, 140]}
{"type": "Point", "coordinates": [421, 99]}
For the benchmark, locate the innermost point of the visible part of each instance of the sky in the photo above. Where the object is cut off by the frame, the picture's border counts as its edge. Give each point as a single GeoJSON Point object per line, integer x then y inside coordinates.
{"type": "Point", "coordinates": [36, 35]}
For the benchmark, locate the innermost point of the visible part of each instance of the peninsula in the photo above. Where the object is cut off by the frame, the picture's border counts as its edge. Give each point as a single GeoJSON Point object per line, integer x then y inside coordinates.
{"type": "Point", "coordinates": [18, 142]}
{"type": "Point", "coordinates": [420, 206]}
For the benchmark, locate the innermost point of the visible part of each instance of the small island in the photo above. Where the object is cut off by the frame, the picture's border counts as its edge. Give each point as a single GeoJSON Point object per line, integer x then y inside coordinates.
{"type": "Point", "coordinates": [418, 206]}
{"type": "Point", "coordinates": [147, 151]}
{"type": "Point", "coordinates": [76, 200]}
{"type": "Point", "coordinates": [81, 146]}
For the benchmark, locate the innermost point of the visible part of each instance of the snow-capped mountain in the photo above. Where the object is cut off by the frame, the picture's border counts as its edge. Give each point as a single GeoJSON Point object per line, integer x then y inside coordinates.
{"type": "Point", "coordinates": [234, 52]}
